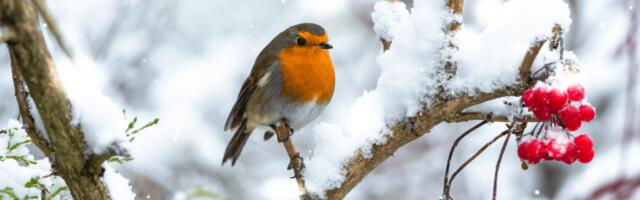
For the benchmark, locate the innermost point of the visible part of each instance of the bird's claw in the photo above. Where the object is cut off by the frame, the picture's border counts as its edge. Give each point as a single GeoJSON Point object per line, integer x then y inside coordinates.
{"type": "Point", "coordinates": [291, 165]}
{"type": "Point", "coordinates": [281, 139]}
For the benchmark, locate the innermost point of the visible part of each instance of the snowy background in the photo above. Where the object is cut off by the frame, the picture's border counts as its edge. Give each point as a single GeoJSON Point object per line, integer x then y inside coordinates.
{"type": "Point", "coordinates": [184, 61]}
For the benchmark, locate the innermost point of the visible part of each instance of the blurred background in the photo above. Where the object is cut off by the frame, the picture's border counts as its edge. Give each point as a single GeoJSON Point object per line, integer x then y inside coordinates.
{"type": "Point", "coordinates": [184, 62]}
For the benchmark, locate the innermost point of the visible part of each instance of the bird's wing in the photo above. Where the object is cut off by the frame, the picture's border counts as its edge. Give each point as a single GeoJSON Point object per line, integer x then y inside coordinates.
{"type": "Point", "coordinates": [260, 67]}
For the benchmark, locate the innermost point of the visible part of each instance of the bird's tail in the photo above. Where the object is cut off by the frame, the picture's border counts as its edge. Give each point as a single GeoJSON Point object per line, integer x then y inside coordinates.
{"type": "Point", "coordinates": [234, 148]}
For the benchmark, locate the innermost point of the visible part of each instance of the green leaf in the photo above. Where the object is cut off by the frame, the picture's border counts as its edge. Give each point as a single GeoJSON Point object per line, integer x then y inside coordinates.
{"type": "Point", "coordinates": [201, 193]}
{"type": "Point", "coordinates": [149, 124]}
{"type": "Point", "coordinates": [9, 192]}
{"type": "Point", "coordinates": [131, 124]}
{"type": "Point", "coordinates": [34, 182]}
{"type": "Point", "coordinates": [120, 159]}
{"type": "Point", "coordinates": [22, 159]}
{"type": "Point", "coordinates": [58, 191]}
{"type": "Point", "coordinates": [16, 145]}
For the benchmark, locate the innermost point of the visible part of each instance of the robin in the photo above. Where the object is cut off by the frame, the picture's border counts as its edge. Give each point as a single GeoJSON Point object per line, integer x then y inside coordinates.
{"type": "Point", "coordinates": [292, 81]}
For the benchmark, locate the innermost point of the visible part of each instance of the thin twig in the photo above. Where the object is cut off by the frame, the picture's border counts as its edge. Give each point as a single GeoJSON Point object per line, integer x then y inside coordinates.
{"type": "Point", "coordinates": [527, 61]}
{"type": "Point", "coordinates": [468, 116]}
{"type": "Point", "coordinates": [22, 96]}
{"type": "Point", "coordinates": [282, 132]}
{"type": "Point", "coordinates": [484, 147]}
{"type": "Point", "coordinates": [495, 175]}
{"type": "Point", "coordinates": [445, 189]}
{"type": "Point", "coordinates": [53, 27]}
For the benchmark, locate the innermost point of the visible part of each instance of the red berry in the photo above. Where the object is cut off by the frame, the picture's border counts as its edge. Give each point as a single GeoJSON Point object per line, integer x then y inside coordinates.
{"type": "Point", "coordinates": [587, 112]}
{"type": "Point", "coordinates": [557, 99]}
{"type": "Point", "coordinates": [586, 156]}
{"type": "Point", "coordinates": [583, 142]}
{"type": "Point", "coordinates": [522, 151]}
{"type": "Point", "coordinates": [570, 116]}
{"type": "Point", "coordinates": [556, 149]}
{"type": "Point", "coordinates": [527, 98]}
{"type": "Point", "coordinates": [534, 151]}
{"type": "Point", "coordinates": [542, 113]}
{"type": "Point", "coordinates": [571, 154]}
{"type": "Point", "coordinates": [575, 92]}
{"type": "Point", "coordinates": [573, 125]}
{"type": "Point", "coordinates": [540, 97]}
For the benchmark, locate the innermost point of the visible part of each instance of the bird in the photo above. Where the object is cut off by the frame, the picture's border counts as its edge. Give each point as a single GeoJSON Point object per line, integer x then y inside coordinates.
{"type": "Point", "coordinates": [292, 81]}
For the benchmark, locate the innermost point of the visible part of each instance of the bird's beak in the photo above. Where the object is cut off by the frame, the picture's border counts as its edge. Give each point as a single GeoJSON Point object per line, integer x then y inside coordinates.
{"type": "Point", "coordinates": [324, 45]}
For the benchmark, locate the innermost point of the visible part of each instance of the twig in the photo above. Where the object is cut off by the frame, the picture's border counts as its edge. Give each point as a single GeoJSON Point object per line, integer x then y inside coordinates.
{"type": "Point", "coordinates": [495, 175]}
{"type": "Point", "coordinates": [621, 188]}
{"type": "Point", "coordinates": [282, 132]}
{"type": "Point", "coordinates": [94, 164]}
{"type": "Point", "coordinates": [53, 27]}
{"type": "Point", "coordinates": [631, 103]}
{"type": "Point", "coordinates": [468, 116]}
{"type": "Point", "coordinates": [22, 96]}
{"type": "Point", "coordinates": [484, 147]}
{"type": "Point", "coordinates": [527, 61]}
{"type": "Point", "coordinates": [445, 189]}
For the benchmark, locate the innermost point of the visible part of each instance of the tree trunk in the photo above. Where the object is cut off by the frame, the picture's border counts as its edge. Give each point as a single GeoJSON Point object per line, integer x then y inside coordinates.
{"type": "Point", "coordinates": [68, 152]}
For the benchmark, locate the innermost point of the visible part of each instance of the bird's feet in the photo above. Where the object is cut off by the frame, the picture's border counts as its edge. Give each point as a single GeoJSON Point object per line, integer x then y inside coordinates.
{"type": "Point", "coordinates": [285, 137]}
{"type": "Point", "coordinates": [299, 161]}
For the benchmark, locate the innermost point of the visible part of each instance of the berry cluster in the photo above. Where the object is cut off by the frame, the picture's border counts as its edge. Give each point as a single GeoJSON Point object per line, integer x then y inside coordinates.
{"type": "Point", "coordinates": [536, 150]}
{"type": "Point", "coordinates": [559, 112]}
{"type": "Point", "coordinates": [546, 102]}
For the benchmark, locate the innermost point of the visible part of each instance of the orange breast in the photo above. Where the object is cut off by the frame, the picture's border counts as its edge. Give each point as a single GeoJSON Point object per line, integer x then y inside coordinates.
{"type": "Point", "coordinates": [307, 74]}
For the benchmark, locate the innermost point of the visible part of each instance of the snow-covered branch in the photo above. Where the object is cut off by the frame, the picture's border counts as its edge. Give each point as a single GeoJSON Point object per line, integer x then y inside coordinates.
{"type": "Point", "coordinates": [430, 75]}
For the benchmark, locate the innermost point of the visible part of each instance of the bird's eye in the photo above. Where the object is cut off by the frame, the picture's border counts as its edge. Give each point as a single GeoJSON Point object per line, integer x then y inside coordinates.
{"type": "Point", "coordinates": [301, 41]}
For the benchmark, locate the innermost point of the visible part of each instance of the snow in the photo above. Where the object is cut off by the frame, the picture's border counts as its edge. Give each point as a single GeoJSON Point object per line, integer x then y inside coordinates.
{"type": "Point", "coordinates": [409, 73]}
{"type": "Point", "coordinates": [118, 185]}
{"type": "Point", "coordinates": [404, 81]}
{"type": "Point", "coordinates": [389, 17]}
{"type": "Point", "coordinates": [491, 59]}
{"type": "Point", "coordinates": [101, 120]}
{"type": "Point", "coordinates": [194, 69]}
{"type": "Point", "coordinates": [15, 175]}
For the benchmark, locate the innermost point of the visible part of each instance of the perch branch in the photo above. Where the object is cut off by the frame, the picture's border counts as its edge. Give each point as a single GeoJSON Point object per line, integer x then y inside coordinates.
{"type": "Point", "coordinates": [295, 163]}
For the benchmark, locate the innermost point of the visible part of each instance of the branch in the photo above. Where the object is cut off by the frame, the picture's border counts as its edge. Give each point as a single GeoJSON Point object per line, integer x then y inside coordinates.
{"type": "Point", "coordinates": [53, 27]}
{"type": "Point", "coordinates": [295, 162]}
{"type": "Point", "coordinates": [411, 128]}
{"type": "Point", "coordinates": [527, 61]}
{"type": "Point", "coordinates": [468, 161]}
{"type": "Point", "coordinates": [470, 116]}
{"type": "Point", "coordinates": [504, 147]}
{"type": "Point", "coordinates": [445, 190]}
{"type": "Point", "coordinates": [32, 60]}
{"type": "Point", "coordinates": [22, 96]}
{"type": "Point", "coordinates": [94, 164]}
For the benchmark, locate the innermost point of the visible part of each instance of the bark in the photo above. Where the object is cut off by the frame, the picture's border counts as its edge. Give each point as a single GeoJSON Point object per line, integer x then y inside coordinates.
{"type": "Point", "coordinates": [32, 64]}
